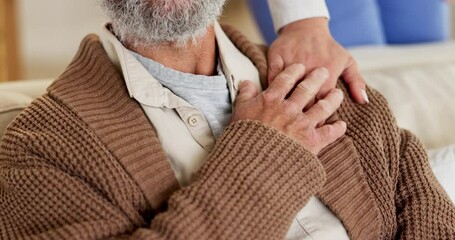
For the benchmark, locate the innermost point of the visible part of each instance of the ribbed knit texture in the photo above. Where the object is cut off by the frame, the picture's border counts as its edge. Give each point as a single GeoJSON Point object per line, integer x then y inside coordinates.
{"type": "Point", "coordinates": [83, 162]}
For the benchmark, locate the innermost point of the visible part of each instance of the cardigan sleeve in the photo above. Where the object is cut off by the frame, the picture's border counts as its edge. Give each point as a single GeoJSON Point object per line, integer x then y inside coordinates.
{"type": "Point", "coordinates": [424, 210]}
{"type": "Point", "coordinates": [57, 182]}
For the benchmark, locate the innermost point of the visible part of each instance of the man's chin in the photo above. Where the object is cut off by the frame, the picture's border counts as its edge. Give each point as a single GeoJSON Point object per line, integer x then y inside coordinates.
{"type": "Point", "coordinates": [149, 22]}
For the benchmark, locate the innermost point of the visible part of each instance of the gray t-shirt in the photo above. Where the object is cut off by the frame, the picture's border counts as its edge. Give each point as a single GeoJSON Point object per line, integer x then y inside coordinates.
{"type": "Point", "coordinates": [210, 94]}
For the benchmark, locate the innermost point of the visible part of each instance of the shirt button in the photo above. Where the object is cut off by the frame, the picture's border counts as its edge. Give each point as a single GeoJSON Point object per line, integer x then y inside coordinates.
{"type": "Point", "coordinates": [193, 121]}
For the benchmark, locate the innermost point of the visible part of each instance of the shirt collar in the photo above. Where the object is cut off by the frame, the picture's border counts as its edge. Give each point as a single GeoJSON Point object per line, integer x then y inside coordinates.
{"type": "Point", "coordinates": [149, 91]}
{"type": "Point", "coordinates": [236, 66]}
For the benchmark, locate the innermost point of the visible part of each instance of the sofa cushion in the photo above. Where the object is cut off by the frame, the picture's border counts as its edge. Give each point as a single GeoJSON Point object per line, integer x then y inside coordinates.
{"type": "Point", "coordinates": [31, 88]}
{"type": "Point", "coordinates": [11, 104]}
{"type": "Point", "coordinates": [419, 85]}
{"type": "Point", "coordinates": [443, 164]}
{"type": "Point", "coordinates": [352, 22]}
{"type": "Point", "coordinates": [413, 21]}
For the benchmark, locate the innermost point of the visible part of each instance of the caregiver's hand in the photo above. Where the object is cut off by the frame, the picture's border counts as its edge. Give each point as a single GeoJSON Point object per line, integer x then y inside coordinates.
{"type": "Point", "coordinates": [309, 42]}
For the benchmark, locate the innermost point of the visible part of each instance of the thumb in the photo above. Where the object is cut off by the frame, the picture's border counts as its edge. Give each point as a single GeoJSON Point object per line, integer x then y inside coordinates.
{"type": "Point", "coordinates": [247, 91]}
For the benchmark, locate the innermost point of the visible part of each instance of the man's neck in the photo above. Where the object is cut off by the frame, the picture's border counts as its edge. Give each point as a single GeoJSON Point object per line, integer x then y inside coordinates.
{"type": "Point", "coordinates": [196, 58]}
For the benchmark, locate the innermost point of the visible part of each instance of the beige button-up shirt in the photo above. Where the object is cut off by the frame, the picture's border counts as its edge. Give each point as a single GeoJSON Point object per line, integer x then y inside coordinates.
{"type": "Point", "coordinates": [174, 118]}
{"type": "Point", "coordinates": [185, 134]}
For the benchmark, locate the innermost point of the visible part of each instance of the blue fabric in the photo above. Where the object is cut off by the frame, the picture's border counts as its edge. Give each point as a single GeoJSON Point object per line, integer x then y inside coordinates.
{"type": "Point", "coordinates": [355, 22]}
{"type": "Point", "coordinates": [261, 12]}
{"type": "Point", "coordinates": [415, 21]}
{"type": "Point", "coordinates": [373, 22]}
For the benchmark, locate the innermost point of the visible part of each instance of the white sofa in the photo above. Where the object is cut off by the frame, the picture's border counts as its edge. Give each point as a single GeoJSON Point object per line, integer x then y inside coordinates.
{"type": "Point", "coordinates": [417, 80]}
{"type": "Point", "coordinates": [419, 84]}
{"type": "Point", "coordinates": [15, 96]}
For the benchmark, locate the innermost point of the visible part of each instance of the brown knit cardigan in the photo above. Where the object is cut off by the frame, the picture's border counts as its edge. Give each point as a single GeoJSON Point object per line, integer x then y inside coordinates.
{"type": "Point", "coordinates": [84, 162]}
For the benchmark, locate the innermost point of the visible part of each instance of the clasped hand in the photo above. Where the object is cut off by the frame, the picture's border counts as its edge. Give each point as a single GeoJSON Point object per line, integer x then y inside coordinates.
{"type": "Point", "coordinates": [287, 105]}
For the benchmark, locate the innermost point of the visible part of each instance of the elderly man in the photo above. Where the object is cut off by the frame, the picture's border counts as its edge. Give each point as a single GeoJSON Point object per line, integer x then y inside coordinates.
{"type": "Point", "coordinates": [151, 133]}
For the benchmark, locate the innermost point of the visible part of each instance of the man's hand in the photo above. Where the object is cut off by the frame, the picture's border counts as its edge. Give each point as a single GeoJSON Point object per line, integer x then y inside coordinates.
{"type": "Point", "coordinates": [282, 105]}
{"type": "Point", "coordinates": [309, 42]}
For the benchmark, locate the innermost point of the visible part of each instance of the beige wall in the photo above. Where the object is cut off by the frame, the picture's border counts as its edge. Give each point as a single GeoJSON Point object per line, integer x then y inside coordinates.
{"type": "Point", "coordinates": [51, 30]}
{"type": "Point", "coordinates": [9, 55]}
{"type": "Point", "coordinates": [237, 14]}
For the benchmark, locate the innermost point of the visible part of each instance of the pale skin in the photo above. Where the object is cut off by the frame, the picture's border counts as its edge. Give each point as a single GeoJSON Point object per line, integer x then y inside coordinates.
{"type": "Point", "coordinates": [290, 114]}
{"type": "Point", "coordinates": [295, 116]}
{"type": "Point", "coordinates": [310, 43]}
{"type": "Point", "coordinates": [199, 58]}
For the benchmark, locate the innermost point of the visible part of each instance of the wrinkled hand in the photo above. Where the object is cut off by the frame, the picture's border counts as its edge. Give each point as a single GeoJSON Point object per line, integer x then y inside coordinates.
{"type": "Point", "coordinates": [310, 43]}
{"type": "Point", "coordinates": [286, 114]}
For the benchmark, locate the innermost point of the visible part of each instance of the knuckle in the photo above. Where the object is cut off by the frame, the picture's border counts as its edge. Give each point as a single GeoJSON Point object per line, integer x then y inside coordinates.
{"type": "Point", "coordinates": [304, 121]}
{"type": "Point", "coordinates": [324, 107]}
{"type": "Point", "coordinates": [290, 108]}
{"type": "Point", "coordinates": [312, 140]}
{"type": "Point", "coordinates": [305, 89]}
{"type": "Point", "coordinates": [269, 97]}
{"type": "Point", "coordinates": [289, 128]}
{"type": "Point", "coordinates": [313, 137]}
{"type": "Point", "coordinates": [284, 77]}
{"type": "Point", "coordinates": [294, 71]}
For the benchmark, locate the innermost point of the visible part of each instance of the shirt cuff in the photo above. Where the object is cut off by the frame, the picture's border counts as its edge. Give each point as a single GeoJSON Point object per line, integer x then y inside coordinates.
{"type": "Point", "coordinates": [288, 11]}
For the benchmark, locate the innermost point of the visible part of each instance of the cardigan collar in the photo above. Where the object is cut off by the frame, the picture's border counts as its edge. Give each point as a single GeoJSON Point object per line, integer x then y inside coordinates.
{"type": "Point", "coordinates": [91, 75]}
{"type": "Point", "coordinates": [149, 91]}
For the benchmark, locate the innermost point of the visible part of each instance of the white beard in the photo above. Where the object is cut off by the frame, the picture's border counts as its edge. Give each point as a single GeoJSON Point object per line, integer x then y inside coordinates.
{"type": "Point", "coordinates": [153, 22]}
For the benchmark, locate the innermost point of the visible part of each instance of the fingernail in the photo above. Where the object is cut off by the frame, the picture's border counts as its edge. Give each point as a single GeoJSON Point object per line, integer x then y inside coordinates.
{"type": "Point", "coordinates": [344, 124]}
{"type": "Point", "coordinates": [339, 93]}
{"type": "Point", "coordinates": [300, 65]}
{"type": "Point", "coordinates": [365, 96]}
{"type": "Point", "coordinates": [323, 73]}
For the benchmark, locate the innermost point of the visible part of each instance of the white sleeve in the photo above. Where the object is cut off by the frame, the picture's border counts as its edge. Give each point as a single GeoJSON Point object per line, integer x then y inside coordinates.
{"type": "Point", "coordinates": [288, 11]}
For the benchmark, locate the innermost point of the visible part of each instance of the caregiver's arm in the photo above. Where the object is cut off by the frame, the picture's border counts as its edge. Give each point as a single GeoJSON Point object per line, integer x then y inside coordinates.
{"type": "Point", "coordinates": [304, 37]}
